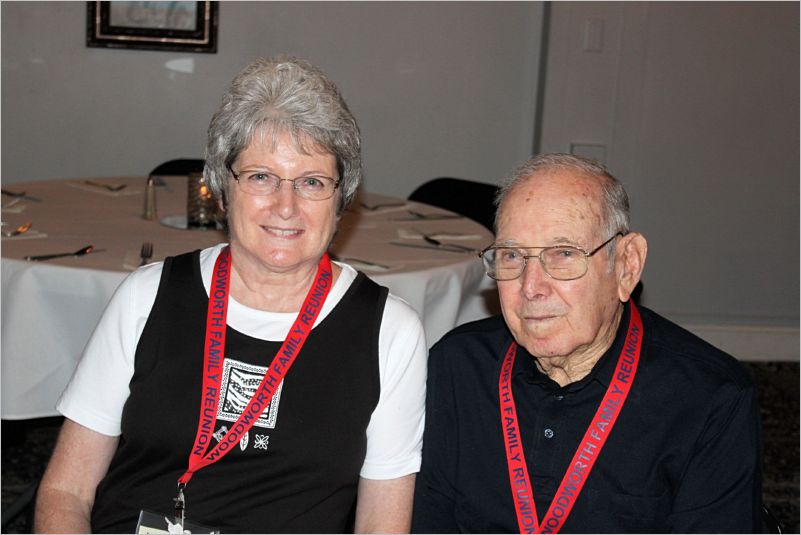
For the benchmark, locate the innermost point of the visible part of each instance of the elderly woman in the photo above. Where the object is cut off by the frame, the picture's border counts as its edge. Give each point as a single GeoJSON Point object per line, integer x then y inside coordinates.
{"type": "Point", "coordinates": [254, 386]}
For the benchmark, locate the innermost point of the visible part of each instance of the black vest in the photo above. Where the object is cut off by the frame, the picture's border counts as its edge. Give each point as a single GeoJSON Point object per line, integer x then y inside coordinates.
{"type": "Point", "coordinates": [297, 470]}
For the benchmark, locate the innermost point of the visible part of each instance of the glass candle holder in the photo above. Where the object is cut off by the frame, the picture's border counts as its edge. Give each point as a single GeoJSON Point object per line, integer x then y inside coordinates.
{"type": "Point", "coordinates": [201, 207]}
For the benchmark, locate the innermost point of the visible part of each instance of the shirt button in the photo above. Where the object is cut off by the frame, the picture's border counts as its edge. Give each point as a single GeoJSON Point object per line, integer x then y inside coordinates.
{"type": "Point", "coordinates": [560, 397]}
{"type": "Point", "coordinates": [549, 433]}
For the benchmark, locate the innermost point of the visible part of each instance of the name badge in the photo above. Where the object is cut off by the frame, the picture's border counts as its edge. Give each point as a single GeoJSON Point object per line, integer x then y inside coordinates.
{"type": "Point", "coordinates": [150, 522]}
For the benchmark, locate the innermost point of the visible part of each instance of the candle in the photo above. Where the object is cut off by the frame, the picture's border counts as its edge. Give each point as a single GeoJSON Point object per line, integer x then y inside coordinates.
{"type": "Point", "coordinates": [200, 204]}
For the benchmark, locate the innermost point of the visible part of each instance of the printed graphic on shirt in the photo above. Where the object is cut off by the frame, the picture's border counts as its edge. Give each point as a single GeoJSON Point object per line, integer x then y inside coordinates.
{"type": "Point", "coordinates": [239, 381]}
{"type": "Point", "coordinates": [262, 441]}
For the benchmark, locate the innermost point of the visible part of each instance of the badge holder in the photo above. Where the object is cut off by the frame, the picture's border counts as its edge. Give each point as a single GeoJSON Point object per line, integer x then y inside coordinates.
{"type": "Point", "coordinates": [150, 522]}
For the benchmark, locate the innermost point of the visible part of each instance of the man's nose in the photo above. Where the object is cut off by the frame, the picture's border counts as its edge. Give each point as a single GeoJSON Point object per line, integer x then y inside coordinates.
{"type": "Point", "coordinates": [535, 281]}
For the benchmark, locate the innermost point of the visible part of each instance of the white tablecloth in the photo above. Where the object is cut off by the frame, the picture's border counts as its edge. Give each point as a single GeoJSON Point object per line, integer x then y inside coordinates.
{"type": "Point", "coordinates": [49, 309]}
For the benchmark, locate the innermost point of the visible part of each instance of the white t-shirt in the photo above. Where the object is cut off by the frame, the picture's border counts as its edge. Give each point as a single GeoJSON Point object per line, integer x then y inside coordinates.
{"type": "Point", "coordinates": [98, 390]}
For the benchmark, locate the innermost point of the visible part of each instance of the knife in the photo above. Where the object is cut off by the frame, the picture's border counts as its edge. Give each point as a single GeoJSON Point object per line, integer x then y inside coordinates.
{"type": "Point", "coordinates": [443, 247]}
{"type": "Point", "coordinates": [80, 252]}
{"type": "Point", "coordinates": [20, 195]}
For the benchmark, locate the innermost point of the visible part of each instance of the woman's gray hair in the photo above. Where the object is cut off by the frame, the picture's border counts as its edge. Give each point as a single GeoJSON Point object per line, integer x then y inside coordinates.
{"type": "Point", "coordinates": [615, 203]}
{"type": "Point", "coordinates": [276, 96]}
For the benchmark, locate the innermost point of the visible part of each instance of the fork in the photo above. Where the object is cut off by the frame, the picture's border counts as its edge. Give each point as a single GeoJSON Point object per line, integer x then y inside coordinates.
{"type": "Point", "coordinates": [146, 252]}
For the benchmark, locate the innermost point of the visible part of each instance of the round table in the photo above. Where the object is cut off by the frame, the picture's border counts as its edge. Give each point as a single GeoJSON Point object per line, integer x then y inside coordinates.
{"type": "Point", "coordinates": [50, 308]}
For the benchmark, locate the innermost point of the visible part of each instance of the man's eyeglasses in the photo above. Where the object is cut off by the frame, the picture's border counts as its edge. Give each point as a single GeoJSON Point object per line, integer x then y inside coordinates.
{"type": "Point", "coordinates": [315, 188]}
{"type": "Point", "coordinates": [560, 262]}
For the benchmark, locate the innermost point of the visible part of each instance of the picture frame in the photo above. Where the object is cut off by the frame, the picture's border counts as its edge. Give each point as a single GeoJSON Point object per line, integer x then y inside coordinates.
{"type": "Point", "coordinates": [170, 26]}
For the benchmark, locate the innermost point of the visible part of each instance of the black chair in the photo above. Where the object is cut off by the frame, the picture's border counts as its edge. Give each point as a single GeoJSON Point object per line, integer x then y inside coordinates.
{"type": "Point", "coordinates": [475, 200]}
{"type": "Point", "coordinates": [181, 166]}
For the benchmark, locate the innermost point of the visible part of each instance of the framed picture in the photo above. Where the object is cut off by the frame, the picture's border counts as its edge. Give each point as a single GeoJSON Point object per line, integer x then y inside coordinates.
{"type": "Point", "coordinates": [183, 26]}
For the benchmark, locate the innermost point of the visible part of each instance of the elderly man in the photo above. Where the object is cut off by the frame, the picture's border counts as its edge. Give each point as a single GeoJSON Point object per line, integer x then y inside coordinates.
{"type": "Point", "coordinates": [578, 411]}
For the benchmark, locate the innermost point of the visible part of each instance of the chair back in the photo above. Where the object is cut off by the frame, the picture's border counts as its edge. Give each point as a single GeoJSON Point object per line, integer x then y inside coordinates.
{"type": "Point", "coordinates": [475, 200]}
{"type": "Point", "coordinates": [180, 166]}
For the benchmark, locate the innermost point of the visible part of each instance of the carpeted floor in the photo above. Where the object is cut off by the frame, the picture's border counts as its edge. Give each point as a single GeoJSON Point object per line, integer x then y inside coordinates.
{"type": "Point", "coordinates": [27, 446]}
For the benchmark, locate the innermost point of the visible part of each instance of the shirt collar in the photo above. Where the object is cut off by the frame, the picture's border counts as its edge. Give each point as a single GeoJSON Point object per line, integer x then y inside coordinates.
{"type": "Point", "coordinates": [601, 372]}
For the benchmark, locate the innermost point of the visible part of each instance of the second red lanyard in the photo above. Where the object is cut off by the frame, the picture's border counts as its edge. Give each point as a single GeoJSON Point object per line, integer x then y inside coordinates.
{"type": "Point", "coordinates": [589, 448]}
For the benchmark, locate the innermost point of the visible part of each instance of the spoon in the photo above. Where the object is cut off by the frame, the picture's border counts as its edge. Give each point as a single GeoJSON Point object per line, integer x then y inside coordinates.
{"type": "Point", "coordinates": [80, 252]}
{"type": "Point", "coordinates": [19, 230]}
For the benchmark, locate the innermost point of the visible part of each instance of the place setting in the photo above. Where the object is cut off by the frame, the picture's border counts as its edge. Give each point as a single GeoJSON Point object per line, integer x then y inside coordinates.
{"type": "Point", "coordinates": [108, 188]}
{"type": "Point", "coordinates": [14, 201]}
{"type": "Point", "coordinates": [380, 207]}
{"type": "Point", "coordinates": [440, 240]}
{"type": "Point", "coordinates": [373, 204]}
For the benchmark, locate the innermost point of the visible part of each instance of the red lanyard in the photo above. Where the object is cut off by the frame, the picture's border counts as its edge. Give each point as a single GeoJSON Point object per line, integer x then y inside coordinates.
{"type": "Point", "coordinates": [589, 448]}
{"type": "Point", "coordinates": [214, 353]}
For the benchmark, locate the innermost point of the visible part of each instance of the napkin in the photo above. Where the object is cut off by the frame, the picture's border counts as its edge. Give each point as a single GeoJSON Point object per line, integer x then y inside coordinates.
{"type": "Point", "coordinates": [412, 235]}
{"type": "Point", "coordinates": [103, 191]}
{"type": "Point", "coordinates": [14, 206]}
{"type": "Point", "coordinates": [29, 235]}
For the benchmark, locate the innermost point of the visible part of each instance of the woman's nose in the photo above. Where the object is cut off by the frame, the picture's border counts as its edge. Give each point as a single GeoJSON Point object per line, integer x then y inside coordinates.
{"type": "Point", "coordinates": [286, 199]}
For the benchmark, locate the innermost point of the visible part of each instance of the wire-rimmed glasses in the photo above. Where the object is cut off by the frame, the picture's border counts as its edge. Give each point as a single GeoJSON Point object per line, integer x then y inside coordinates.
{"type": "Point", "coordinates": [560, 262]}
{"type": "Point", "coordinates": [314, 187]}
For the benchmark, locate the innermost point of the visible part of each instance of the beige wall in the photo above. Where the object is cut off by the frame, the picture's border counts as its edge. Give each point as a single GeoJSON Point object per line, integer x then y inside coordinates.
{"type": "Point", "coordinates": [696, 107]}
{"type": "Point", "coordinates": [439, 88]}
{"type": "Point", "coordinates": [694, 103]}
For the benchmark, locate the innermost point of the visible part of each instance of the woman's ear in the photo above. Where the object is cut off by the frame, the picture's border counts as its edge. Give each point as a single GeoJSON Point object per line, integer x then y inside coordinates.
{"type": "Point", "coordinates": [632, 251]}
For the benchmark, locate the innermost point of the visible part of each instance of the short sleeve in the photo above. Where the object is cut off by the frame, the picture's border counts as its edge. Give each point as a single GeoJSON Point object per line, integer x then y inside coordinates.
{"type": "Point", "coordinates": [99, 388]}
{"type": "Point", "coordinates": [395, 432]}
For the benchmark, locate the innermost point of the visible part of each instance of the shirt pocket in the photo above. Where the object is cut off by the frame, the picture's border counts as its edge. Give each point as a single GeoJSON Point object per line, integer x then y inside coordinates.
{"type": "Point", "coordinates": [614, 512]}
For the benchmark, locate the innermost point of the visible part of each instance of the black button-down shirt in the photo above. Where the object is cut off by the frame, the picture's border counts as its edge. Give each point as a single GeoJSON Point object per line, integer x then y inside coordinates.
{"type": "Point", "coordinates": [684, 455]}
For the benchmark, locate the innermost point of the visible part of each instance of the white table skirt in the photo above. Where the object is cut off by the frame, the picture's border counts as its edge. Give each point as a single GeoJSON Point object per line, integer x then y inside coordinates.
{"type": "Point", "coordinates": [49, 309]}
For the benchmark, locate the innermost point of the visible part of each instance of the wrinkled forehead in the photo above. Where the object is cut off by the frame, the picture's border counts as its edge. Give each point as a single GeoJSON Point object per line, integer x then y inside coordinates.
{"type": "Point", "coordinates": [554, 202]}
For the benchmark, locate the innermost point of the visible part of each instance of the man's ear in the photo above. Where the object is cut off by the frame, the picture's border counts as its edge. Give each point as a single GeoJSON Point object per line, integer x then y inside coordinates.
{"type": "Point", "coordinates": [632, 249]}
